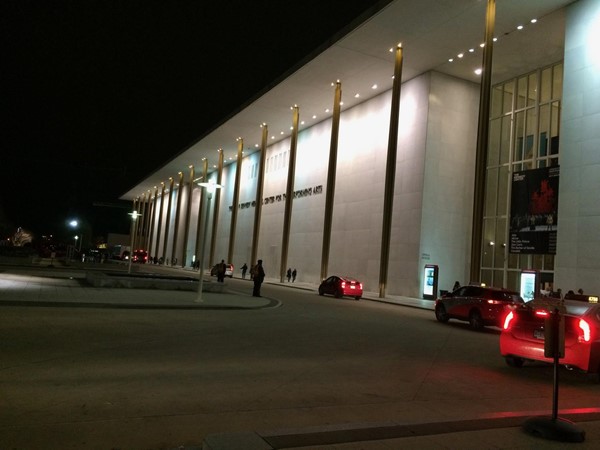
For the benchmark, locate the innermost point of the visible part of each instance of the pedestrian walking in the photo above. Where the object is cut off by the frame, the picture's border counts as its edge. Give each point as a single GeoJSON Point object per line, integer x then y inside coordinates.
{"type": "Point", "coordinates": [294, 273]}
{"type": "Point", "coordinates": [221, 271]}
{"type": "Point", "coordinates": [258, 277]}
{"type": "Point", "coordinates": [289, 274]}
{"type": "Point", "coordinates": [244, 269]}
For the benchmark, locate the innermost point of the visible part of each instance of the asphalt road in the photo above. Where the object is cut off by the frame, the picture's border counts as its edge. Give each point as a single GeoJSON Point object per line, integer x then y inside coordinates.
{"type": "Point", "coordinates": [73, 378]}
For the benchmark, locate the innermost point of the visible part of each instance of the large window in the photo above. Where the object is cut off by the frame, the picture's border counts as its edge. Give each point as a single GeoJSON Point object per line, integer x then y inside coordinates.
{"type": "Point", "coordinates": [523, 134]}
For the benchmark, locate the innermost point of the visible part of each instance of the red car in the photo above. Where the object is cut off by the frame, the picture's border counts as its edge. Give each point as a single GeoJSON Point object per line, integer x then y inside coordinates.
{"type": "Point", "coordinates": [479, 305]}
{"type": "Point", "coordinates": [522, 336]}
{"type": "Point", "coordinates": [140, 256]}
{"type": "Point", "coordinates": [341, 286]}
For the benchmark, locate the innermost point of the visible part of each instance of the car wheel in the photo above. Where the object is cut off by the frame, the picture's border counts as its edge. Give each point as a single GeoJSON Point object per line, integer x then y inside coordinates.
{"type": "Point", "coordinates": [321, 291]}
{"type": "Point", "coordinates": [339, 294]}
{"type": "Point", "coordinates": [440, 314]}
{"type": "Point", "coordinates": [514, 361]}
{"type": "Point", "coordinates": [475, 320]}
{"type": "Point", "coordinates": [357, 297]}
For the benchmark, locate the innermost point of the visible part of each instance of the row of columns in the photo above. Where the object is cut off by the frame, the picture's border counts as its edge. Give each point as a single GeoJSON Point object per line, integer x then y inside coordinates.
{"type": "Point", "coordinates": [159, 202]}
{"type": "Point", "coordinates": [149, 206]}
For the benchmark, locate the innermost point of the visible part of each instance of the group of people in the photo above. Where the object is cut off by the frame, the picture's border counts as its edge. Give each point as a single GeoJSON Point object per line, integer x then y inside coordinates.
{"type": "Point", "coordinates": [291, 274]}
{"type": "Point", "coordinates": [257, 275]}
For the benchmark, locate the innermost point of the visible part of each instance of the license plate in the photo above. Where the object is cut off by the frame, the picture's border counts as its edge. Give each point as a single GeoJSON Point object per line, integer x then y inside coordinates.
{"type": "Point", "coordinates": [538, 334]}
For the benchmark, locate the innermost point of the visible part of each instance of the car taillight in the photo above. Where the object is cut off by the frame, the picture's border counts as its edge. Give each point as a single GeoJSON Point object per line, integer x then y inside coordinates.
{"type": "Point", "coordinates": [541, 313]}
{"type": "Point", "coordinates": [507, 321]}
{"type": "Point", "coordinates": [343, 285]}
{"type": "Point", "coordinates": [584, 330]}
{"type": "Point", "coordinates": [360, 285]}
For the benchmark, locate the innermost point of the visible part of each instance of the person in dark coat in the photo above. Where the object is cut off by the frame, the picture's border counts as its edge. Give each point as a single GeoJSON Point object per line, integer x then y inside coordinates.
{"type": "Point", "coordinates": [244, 269]}
{"type": "Point", "coordinates": [294, 273]}
{"type": "Point", "coordinates": [258, 278]}
{"type": "Point", "coordinates": [289, 274]}
{"type": "Point", "coordinates": [221, 271]}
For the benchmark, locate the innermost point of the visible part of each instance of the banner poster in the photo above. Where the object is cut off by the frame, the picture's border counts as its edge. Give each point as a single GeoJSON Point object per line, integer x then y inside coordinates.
{"type": "Point", "coordinates": [533, 211]}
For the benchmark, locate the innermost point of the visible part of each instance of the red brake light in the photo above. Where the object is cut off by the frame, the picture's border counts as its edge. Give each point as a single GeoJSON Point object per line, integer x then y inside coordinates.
{"type": "Point", "coordinates": [541, 313]}
{"type": "Point", "coordinates": [343, 284]}
{"type": "Point", "coordinates": [585, 331]}
{"type": "Point", "coordinates": [507, 321]}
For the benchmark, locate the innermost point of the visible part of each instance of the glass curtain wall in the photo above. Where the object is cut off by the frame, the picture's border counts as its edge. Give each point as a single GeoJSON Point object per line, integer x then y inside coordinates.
{"type": "Point", "coordinates": [523, 134]}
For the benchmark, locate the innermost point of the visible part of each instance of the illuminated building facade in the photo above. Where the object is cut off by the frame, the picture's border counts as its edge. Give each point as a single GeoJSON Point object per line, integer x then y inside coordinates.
{"type": "Point", "coordinates": [544, 113]}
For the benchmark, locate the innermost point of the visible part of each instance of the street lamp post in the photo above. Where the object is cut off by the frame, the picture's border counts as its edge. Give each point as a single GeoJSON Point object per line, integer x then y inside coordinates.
{"type": "Point", "coordinates": [209, 189]}
{"type": "Point", "coordinates": [134, 215]}
{"type": "Point", "coordinates": [75, 224]}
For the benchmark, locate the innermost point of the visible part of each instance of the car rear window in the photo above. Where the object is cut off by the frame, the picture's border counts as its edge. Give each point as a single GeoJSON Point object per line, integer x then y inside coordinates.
{"type": "Point", "coordinates": [505, 296]}
{"type": "Point", "coordinates": [577, 309]}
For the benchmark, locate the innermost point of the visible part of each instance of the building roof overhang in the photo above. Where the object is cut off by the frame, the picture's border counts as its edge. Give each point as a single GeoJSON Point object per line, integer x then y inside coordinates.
{"type": "Point", "coordinates": [431, 33]}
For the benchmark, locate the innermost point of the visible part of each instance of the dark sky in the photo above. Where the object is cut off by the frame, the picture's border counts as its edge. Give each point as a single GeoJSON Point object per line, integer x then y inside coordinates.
{"type": "Point", "coordinates": [96, 94]}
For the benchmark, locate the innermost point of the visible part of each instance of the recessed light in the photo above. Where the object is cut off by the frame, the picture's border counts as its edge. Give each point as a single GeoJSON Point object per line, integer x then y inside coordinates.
{"type": "Point", "coordinates": [478, 71]}
{"type": "Point", "coordinates": [471, 50]}
{"type": "Point", "coordinates": [356, 95]}
{"type": "Point", "coordinates": [374, 86]}
{"type": "Point", "coordinates": [520, 27]}
{"type": "Point", "coordinates": [314, 116]}
{"type": "Point", "coordinates": [533, 20]}
{"type": "Point", "coordinates": [460, 55]}
{"type": "Point", "coordinates": [451, 59]}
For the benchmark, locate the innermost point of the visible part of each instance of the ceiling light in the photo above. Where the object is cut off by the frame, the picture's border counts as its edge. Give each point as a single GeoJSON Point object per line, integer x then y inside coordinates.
{"type": "Point", "coordinates": [471, 50]}
{"type": "Point", "coordinates": [482, 44]}
{"type": "Point", "coordinates": [374, 86]}
{"type": "Point", "coordinates": [533, 20]}
{"type": "Point", "coordinates": [302, 123]}
{"type": "Point", "coordinates": [478, 71]}
{"type": "Point", "coordinates": [327, 110]}
{"type": "Point", "coordinates": [281, 132]}
{"type": "Point", "coordinates": [520, 27]}
{"type": "Point", "coordinates": [256, 145]}
{"type": "Point", "coordinates": [495, 39]}
{"type": "Point", "coordinates": [356, 95]}
{"type": "Point", "coordinates": [314, 116]}
{"type": "Point", "coordinates": [451, 59]}
{"type": "Point", "coordinates": [460, 55]}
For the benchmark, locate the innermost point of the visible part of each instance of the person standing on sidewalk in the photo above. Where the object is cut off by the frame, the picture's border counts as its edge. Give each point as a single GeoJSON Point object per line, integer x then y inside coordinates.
{"type": "Point", "coordinates": [244, 268]}
{"type": "Point", "coordinates": [221, 271]}
{"type": "Point", "coordinates": [289, 274]}
{"type": "Point", "coordinates": [259, 276]}
{"type": "Point", "coordinates": [294, 273]}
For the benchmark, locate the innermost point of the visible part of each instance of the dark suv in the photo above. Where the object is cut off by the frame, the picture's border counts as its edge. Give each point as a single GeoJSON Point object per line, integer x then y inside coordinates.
{"type": "Point", "coordinates": [479, 305]}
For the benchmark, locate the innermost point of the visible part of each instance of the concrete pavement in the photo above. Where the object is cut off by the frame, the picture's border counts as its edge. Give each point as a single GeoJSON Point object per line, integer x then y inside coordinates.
{"type": "Point", "coordinates": [65, 287]}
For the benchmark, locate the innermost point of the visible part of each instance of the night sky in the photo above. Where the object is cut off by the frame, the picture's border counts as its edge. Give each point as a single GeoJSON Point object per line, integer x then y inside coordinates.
{"type": "Point", "coordinates": [96, 94]}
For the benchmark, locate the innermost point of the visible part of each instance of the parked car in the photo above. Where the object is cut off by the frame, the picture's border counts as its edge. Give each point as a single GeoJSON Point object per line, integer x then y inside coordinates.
{"type": "Point", "coordinates": [341, 286]}
{"type": "Point", "coordinates": [479, 305]}
{"type": "Point", "coordinates": [228, 270]}
{"type": "Point", "coordinates": [523, 334]}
